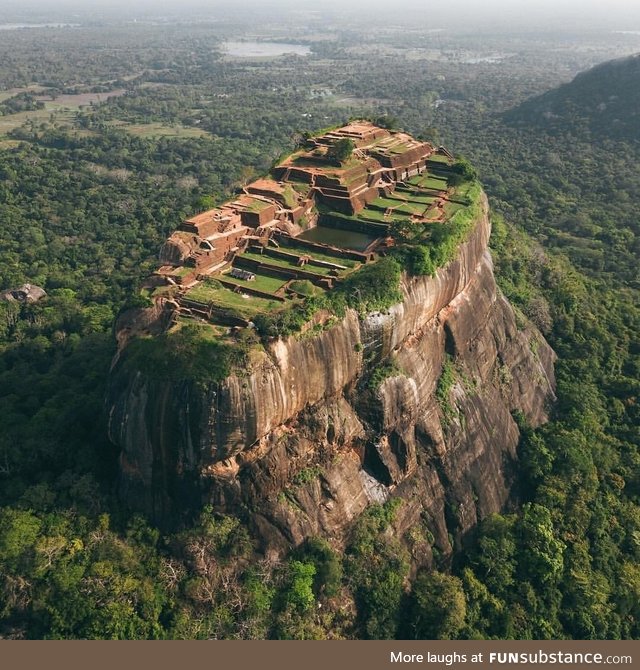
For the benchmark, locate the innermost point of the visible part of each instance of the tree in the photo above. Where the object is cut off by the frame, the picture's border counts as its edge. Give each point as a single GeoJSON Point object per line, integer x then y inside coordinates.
{"type": "Point", "coordinates": [495, 561]}
{"type": "Point", "coordinates": [438, 607]}
{"type": "Point", "coordinates": [328, 564]}
{"type": "Point", "coordinates": [430, 134]}
{"type": "Point", "coordinates": [541, 553]}
{"type": "Point", "coordinates": [462, 171]}
{"type": "Point", "coordinates": [386, 121]}
{"type": "Point", "coordinates": [299, 595]}
{"type": "Point", "coordinates": [341, 150]}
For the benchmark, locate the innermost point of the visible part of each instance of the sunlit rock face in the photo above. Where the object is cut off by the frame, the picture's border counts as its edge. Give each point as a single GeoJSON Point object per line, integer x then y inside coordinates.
{"type": "Point", "coordinates": [301, 443]}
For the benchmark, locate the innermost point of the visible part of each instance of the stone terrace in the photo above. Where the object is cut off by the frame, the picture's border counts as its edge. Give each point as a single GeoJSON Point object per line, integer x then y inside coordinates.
{"type": "Point", "coordinates": [389, 177]}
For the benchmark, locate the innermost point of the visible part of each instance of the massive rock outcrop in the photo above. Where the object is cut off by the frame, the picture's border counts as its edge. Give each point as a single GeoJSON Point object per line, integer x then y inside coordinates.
{"type": "Point", "coordinates": [302, 442]}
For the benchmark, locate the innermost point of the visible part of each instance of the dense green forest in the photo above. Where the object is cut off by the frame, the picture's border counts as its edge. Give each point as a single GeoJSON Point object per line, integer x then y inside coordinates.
{"type": "Point", "coordinates": [87, 194]}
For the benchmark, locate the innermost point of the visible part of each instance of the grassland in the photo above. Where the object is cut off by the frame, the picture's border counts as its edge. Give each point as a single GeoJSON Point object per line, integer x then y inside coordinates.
{"type": "Point", "coordinates": [437, 158]}
{"type": "Point", "coordinates": [160, 130]}
{"type": "Point", "coordinates": [460, 200]}
{"type": "Point", "coordinates": [258, 206]}
{"type": "Point", "coordinates": [244, 305]}
{"type": "Point", "coordinates": [346, 262]}
{"type": "Point", "coordinates": [413, 196]}
{"type": "Point", "coordinates": [410, 208]}
{"type": "Point", "coordinates": [400, 148]}
{"type": "Point", "coordinates": [289, 195]}
{"type": "Point", "coordinates": [182, 271]}
{"type": "Point", "coordinates": [12, 121]}
{"type": "Point", "coordinates": [262, 282]}
{"type": "Point", "coordinates": [9, 144]}
{"type": "Point", "coordinates": [10, 92]}
{"type": "Point", "coordinates": [285, 263]}
{"type": "Point", "coordinates": [429, 181]}
{"type": "Point", "coordinates": [396, 211]}
{"type": "Point", "coordinates": [374, 215]}
{"type": "Point", "coordinates": [64, 116]}
{"type": "Point", "coordinates": [384, 202]}
{"type": "Point", "coordinates": [450, 208]}
{"type": "Point", "coordinates": [62, 109]}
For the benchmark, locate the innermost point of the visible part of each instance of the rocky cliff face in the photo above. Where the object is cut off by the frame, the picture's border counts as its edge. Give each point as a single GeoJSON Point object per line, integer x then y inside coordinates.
{"type": "Point", "coordinates": [302, 443]}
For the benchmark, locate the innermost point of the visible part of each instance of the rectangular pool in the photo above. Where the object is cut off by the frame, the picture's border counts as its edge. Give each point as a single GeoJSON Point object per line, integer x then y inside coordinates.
{"type": "Point", "coordinates": [344, 239]}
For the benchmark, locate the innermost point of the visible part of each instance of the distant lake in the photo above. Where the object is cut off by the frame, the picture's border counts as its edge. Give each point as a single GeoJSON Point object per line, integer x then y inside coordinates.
{"type": "Point", "coordinates": [493, 58]}
{"type": "Point", "coordinates": [19, 26]}
{"type": "Point", "coordinates": [264, 49]}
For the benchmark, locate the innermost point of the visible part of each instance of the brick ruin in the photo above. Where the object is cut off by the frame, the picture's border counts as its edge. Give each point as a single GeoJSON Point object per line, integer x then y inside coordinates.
{"type": "Point", "coordinates": [380, 160]}
{"type": "Point", "coordinates": [289, 202]}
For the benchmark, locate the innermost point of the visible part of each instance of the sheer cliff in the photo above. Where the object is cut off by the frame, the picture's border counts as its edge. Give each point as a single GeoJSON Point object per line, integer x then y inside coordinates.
{"type": "Point", "coordinates": [415, 403]}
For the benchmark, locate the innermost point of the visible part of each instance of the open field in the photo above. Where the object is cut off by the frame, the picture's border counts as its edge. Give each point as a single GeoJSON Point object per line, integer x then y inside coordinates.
{"type": "Point", "coordinates": [398, 215]}
{"type": "Point", "coordinates": [161, 130]}
{"type": "Point", "coordinates": [77, 100]}
{"type": "Point", "coordinates": [385, 202]}
{"type": "Point", "coordinates": [9, 144]}
{"type": "Point", "coordinates": [337, 237]}
{"type": "Point", "coordinates": [408, 204]}
{"type": "Point", "coordinates": [13, 121]}
{"type": "Point", "coordinates": [262, 50]}
{"type": "Point", "coordinates": [10, 92]}
{"type": "Point", "coordinates": [63, 107]}
{"type": "Point", "coordinates": [458, 200]}
{"type": "Point", "coordinates": [450, 208]}
{"type": "Point", "coordinates": [400, 211]}
{"type": "Point", "coordinates": [398, 148]}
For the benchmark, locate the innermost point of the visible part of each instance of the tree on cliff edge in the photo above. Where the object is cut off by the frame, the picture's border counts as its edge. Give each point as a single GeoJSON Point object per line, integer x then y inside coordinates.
{"type": "Point", "coordinates": [463, 171]}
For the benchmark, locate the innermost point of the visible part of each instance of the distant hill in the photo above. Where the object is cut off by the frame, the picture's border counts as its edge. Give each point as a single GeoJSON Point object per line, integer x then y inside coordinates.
{"type": "Point", "coordinates": [604, 100]}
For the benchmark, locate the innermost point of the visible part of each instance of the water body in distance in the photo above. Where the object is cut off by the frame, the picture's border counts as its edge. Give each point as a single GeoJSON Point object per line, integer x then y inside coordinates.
{"type": "Point", "coordinates": [21, 26]}
{"type": "Point", "coordinates": [264, 49]}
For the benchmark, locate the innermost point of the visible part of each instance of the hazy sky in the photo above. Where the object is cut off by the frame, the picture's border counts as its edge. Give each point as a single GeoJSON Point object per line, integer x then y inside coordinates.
{"type": "Point", "coordinates": [624, 14]}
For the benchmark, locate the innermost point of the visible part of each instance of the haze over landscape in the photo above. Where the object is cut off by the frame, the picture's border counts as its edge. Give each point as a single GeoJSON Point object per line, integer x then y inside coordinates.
{"type": "Point", "coordinates": [466, 14]}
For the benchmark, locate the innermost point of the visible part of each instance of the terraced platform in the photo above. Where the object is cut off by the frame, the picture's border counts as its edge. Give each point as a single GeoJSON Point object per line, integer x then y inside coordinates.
{"type": "Point", "coordinates": [311, 223]}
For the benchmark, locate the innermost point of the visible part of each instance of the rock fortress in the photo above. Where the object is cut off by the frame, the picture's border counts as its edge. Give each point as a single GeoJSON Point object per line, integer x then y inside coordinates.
{"type": "Point", "coordinates": [331, 338]}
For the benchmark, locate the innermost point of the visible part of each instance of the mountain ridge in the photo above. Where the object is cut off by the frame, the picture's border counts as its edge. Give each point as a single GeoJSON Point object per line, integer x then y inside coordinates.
{"type": "Point", "coordinates": [603, 101]}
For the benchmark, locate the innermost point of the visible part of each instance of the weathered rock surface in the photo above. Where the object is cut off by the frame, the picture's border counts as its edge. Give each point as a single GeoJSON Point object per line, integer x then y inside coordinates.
{"type": "Point", "coordinates": [301, 445]}
{"type": "Point", "coordinates": [25, 293]}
